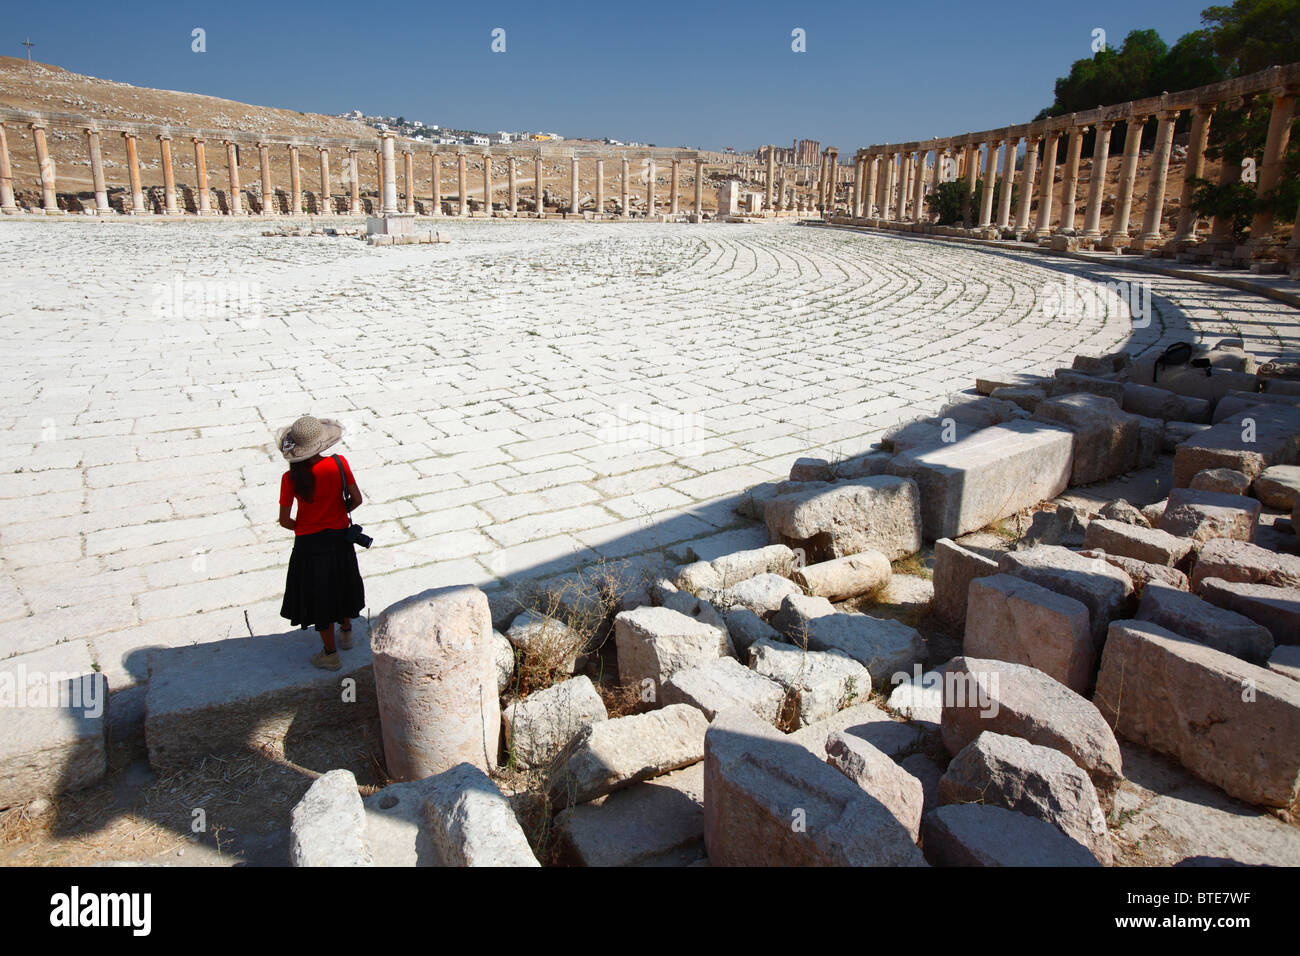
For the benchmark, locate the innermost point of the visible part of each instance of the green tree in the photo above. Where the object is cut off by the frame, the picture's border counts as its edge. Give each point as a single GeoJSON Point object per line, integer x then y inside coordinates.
{"type": "Point", "coordinates": [1253, 35]}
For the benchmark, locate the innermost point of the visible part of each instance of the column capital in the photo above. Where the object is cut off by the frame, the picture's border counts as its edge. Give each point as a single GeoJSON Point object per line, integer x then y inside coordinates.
{"type": "Point", "coordinates": [164, 136]}
{"type": "Point", "coordinates": [1168, 115]}
{"type": "Point", "coordinates": [39, 124]}
{"type": "Point", "coordinates": [198, 139]}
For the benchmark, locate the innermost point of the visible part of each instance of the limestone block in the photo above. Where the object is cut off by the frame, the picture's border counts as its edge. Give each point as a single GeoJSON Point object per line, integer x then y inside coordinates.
{"type": "Point", "coordinates": [876, 513]}
{"type": "Point", "coordinates": [1190, 381]}
{"type": "Point", "coordinates": [865, 720]}
{"type": "Point", "coordinates": [1286, 661]}
{"type": "Point", "coordinates": [1202, 515]}
{"type": "Point", "coordinates": [436, 682]}
{"type": "Point", "coordinates": [1178, 432]}
{"type": "Point", "coordinates": [1107, 439]}
{"type": "Point", "coordinates": [1026, 397]}
{"type": "Point", "coordinates": [1012, 619]}
{"type": "Point", "coordinates": [955, 568]}
{"type": "Point", "coordinates": [1189, 616]}
{"type": "Point", "coordinates": [882, 646]}
{"type": "Point", "coordinates": [1103, 589]}
{"type": "Point", "coordinates": [851, 576]}
{"type": "Point", "coordinates": [1222, 480]}
{"type": "Point", "coordinates": [55, 723]}
{"type": "Point", "coordinates": [684, 602]}
{"type": "Point", "coordinates": [1013, 773]}
{"type": "Point", "coordinates": [471, 824]}
{"type": "Point", "coordinates": [919, 698]}
{"type": "Point", "coordinates": [1138, 542]}
{"type": "Point", "coordinates": [1277, 609]}
{"type": "Point", "coordinates": [1142, 573]}
{"type": "Point", "coordinates": [659, 822]}
{"type": "Point", "coordinates": [877, 774]}
{"type": "Point", "coordinates": [746, 627]}
{"type": "Point", "coordinates": [769, 802]}
{"type": "Point", "coordinates": [542, 724]}
{"type": "Point", "coordinates": [1249, 441]}
{"type": "Point", "coordinates": [1161, 403]}
{"type": "Point", "coordinates": [818, 683]}
{"type": "Point", "coordinates": [995, 472]}
{"type": "Point", "coordinates": [1185, 699]}
{"type": "Point", "coordinates": [1248, 563]}
{"type": "Point", "coordinates": [762, 593]}
{"type": "Point", "coordinates": [724, 683]}
{"type": "Point", "coordinates": [729, 569]}
{"type": "Point", "coordinates": [613, 754]}
{"type": "Point", "coordinates": [797, 612]}
{"type": "Point", "coordinates": [975, 834]}
{"type": "Point", "coordinates": [1013, 699]}
{"type": "Point", "coordinates": [535, 633]}
{"type": "Point", "coordinates": [654, 642]}
{"type": "Point", "coordinates": [1070, 382]}
{"type": "Point", "coordinates": [503, 655]}
{"type": "Point", "coordinates": [991, 381]}
{"type": "Point", "coordinates": [328, 825]}
{"type": "Point", "coordinates": [1279, 486]}
{"type": "Point", "coordinates": [1121, 510]}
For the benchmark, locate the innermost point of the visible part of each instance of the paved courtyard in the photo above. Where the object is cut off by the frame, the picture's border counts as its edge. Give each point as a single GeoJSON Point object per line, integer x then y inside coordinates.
{"type": "Point", "coordinates": [528, 395]}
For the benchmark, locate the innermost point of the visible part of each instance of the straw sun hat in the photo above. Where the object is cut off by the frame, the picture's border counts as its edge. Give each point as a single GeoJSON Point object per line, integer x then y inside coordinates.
{"type": "Point", "coordinates": [306, 437]}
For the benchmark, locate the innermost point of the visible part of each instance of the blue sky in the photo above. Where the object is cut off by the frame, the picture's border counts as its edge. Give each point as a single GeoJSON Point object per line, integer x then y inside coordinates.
{"type": "Point", "coordinates": [670, 73]}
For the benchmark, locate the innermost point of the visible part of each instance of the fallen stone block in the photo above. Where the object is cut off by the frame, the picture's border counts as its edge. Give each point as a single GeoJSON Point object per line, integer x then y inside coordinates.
{"type": "Point", "coordinates": [797, 612]}
{"type": "Point", "coordinates": [435, 681]}
{"type": "Point", "coordinates": [991, 381]}
{"type": "Point", "coordinates": [1102, 588]}
{"type": "Point", "coordinates": [1065, 526]}
{"type": "Point", "coordinates": [328, 825]}
{"type": "Point", "coordinates": [1027, 397]}
{"type": "Point", "coordinates": [617, 753]}
{"type": "Point", "coordinates": [746, 627]}
{"type": "Point", "coordinates": [1139, 542]}
{"type": "Point", "coordinates": [927, 433]}
{"type": "Point", "coordinates": [762, 593]}
{"type": "Point", "coordinates": [542, 724]}
{"type": "Point", "coordinates": [769, 802]}
{"type": "Point", "coordinates": [919, 698]}
{"type": "Point", "coordinates": [1013, 773]}
{"type": "Point", "coordinates": [882, 646]}
{"type": "Point", "coordinates": [724, 683]}
{"type": "Point", "coordinates": [1161, 403]}
{"type": "Point", "coordinates": [1012, 619]}
{"type": "Point", "coordinates": [397, 826]}
{"type": "Point", "coordinates": [877, 774]}
{"type": "Point", "coordinates": [1142, 573]}
{"type": "Point", "coordinates": [980, 411]}
{"type": "Point", "coordinates": [851, 576]}
{"type": "Point", "coordinates": [1013, 699]}
{"type": "Point", "coordinates": [1286, 661]}
{"type": "Point", "coordinates": [865, 720]}
{"type": "Point", "coordinates": [1120, 510]}
{"type": "Point", "coordinates": [545, 636]}
{"type": "Point", "coordinates": [55, 726]}
{"type": "Point", "coordinates": [1235, 402]}
{"type": "Point", "coordinates": [1107, 439]}
{"type": "Point", "coordinates": [817, 683]}
{"type": "Point", "coordinates": [878, 513]}
{"type": "Point", "coordinates": [503, 656]}
{"type": "Point", "coordinates": [976, 834]}
{"type": "Point", "coordinates": [1227, 721]}
{"type": "Point", "coordinates": [1176, 433]}
{"type": "Point", "coordinates": [1068, 382]}
{"type": "Point", "coordinates": [1189, 616]}
{"type": "Point", "coordinates": [955, 568]}
{"type": "Point", "coordinates": [730, 569]}
{"type": "Point", "coordinates": [251, 692]}
{"type": "Point", "coordinates": [1249, 442]}
{"type": "Point", "coordinates": [1248, 563]}
{"type": "Point", "coordinates": [1224, 481]}
{"type": "Point", "coordinates": [655, 642]}
{"type": "Point", "coordinates": [659, 822]}
{"type": "Point", "coordinates": [995, 472]}
{"type": "Point", "coordinates": [1202, 515]}
{"type": "Point", "coordinates": [1278, 486]}
{"type": "Point", "coordinates": [663, 594]}
{"type": "Point", "coordinates": [1190, 381]}
{"type": "Point", "coordinates": [471, 824]}
{"type": "Point", "coordinates": [1277, 609]}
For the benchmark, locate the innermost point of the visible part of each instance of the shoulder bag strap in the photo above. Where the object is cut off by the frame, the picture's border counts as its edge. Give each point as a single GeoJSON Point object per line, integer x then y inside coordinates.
{"type": "Point", "coordinates": [343, 482]}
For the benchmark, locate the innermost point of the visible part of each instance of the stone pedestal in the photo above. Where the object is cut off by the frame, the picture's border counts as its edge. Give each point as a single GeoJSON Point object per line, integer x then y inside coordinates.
{"type": "Point", "coordinates": [393, 224]}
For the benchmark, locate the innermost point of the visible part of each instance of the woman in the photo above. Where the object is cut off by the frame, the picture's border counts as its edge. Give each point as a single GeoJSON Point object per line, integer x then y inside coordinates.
{"type": "Point", "coordinates": [323, 586]}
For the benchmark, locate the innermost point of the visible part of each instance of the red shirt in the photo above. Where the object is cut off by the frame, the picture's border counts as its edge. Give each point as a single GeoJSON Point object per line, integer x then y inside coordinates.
{"type": "Point", "coordinates": [325, 510]}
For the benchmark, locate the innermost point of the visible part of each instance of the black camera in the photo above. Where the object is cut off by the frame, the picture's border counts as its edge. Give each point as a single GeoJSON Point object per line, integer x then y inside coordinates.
{"type": "Point", "coordinates": [356, 537]}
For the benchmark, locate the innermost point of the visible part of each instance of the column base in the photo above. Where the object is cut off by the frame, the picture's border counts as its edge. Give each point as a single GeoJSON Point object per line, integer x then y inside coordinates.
{"type": "Point", "coordinates": [1144, 243]}
{"type": "Point", "coordinates": [396, 224]}
{"type": "Point", "coordinates": [1115, 243]}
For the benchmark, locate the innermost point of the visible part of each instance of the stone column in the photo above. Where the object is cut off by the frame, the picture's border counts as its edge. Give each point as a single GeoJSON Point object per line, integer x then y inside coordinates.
{"type": "Point", "coordinates": [268, 191]}
{"type": "Point", "coordinates": [1009, 148]}
{"type": "Point", "coordinates": [972, 175]}
{"type": "Point", "coordinates": [323, 205]}
{"type": "Point", "coordinates": [379, 178]}
{"type": "Point", "coordinates": [699, 189]}
{"type": "Point", "coordinates": [201, 167]}
{"type": "Point", "coordinates": [888, 180]}
{"type": "Point", "coordinates": [869, 192]}
{"type": "Point", "coordinates": [537, 183]}
{"type": "Point", "coordinates": [436, 179]}
{"type": "Point", "coordinates": [354, 184]}
{"type": "Point", "coordinates": [462, 181]}
{"type": "Point", "coordinates": [232, 164]}
{"type": "Point", "coordinates": [1070, 182]}
{"type": "Point", "coordinates": [600, 186]}
{"type": "Point", "coordinates": [832, 177]}
{"type": "Point", "coordinates": [1027, 173]}
{"type": "Point", "coordinates": [295, 182]}
{"type": "Point", "coordinates": [45, 166]}
{"type": "Point", "coordinates": [512, 179]}
{"type": "Point", "coordinates": [133, 175]}
{"type": "Point", "coordinates": [990, 182]}
{"type": "Point", "coordinates": [918, 187]}
{"type": "Point", "coordinates": [859, 184]}
{"type": "Point", "coordinates": [1194, 168]}
{"type": "Point", "coordinates": [1043, 224]}
{"type": "Point", "coordinates": [1270, 172]}
{"type": "Point", "coordinates": [487, 185]}
{"type": "Point", "coordinates": [625, 196]}
{"type": "Point", "coordinates": [1159, 175]}
{"type": "Point", "coordinates": [387, 146]}
{"type": "Point", "coordinates": [1097, 181]}
{"type": "Point", "coordinates": [673, 184]}
{"type": "Point", "coordinates": [573, 183]}
{"type": "Point", "coordinates": [408, 177]}
{"type": "Point", "coordinates": [97, 171]}
{"type": "Point", "coordinates": [650, 188]}
{"type": "Point", "coordinates": [7, 204]}
{"type": "Point", "coordinates": [1119, 238]}
{"type": "Point", "coordinates": [771, 175]}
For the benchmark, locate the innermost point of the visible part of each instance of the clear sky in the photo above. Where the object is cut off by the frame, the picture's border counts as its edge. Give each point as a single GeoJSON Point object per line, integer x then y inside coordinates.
{"type": "Point", "coordinates": [671, 73]}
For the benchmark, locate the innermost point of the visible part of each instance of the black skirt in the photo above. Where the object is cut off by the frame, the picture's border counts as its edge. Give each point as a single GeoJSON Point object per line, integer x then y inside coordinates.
{"type": "Point", "coordinates": [324, 584]}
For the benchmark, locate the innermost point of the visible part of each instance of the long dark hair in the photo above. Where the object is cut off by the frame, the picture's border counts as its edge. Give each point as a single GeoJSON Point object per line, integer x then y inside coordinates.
{"type": "Point", "coordinates": [304, 481]}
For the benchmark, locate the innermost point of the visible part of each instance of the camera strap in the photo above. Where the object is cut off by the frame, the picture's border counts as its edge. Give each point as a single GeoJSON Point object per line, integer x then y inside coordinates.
{"type": "Point", "coordinates": [343, 485]}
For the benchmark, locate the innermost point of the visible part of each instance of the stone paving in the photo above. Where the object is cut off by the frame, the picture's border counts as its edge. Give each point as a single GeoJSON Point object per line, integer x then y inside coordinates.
{"type": "Point", "coordinates": [528, 396]}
